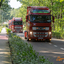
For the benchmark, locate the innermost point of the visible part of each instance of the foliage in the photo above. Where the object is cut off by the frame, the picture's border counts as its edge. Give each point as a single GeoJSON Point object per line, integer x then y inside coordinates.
{"type": "Point", "coordinates": [4, 11]}
{"type": "Point", "coordinates": [5, 25]}
{"type": "Point", "coordinates": [1, 28]}
{"type": "Point", "coordinates": [1, 1]}
{"type": "Point", "coordinates": [56, 7]}
{"type": "Point", "coordinates": [23, 53]}
{"type": "Point", "coordinates": [5, 6]}
{"type": "Point", "coordinates": [58, 35]}
{"type": "Point", "coordinates": [24, 28]}
{"type": "Point", "coordinates": [8, 30]}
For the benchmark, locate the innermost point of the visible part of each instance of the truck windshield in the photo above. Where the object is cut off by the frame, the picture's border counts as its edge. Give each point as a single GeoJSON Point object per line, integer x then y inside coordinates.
{"type": "Point", "coordinates": [40, 18]}
{"type": "Point", "coordinates": [18, 23]}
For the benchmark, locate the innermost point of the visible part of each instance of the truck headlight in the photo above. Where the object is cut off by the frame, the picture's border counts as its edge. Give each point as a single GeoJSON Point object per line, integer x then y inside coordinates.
{"type": "Point", "coordinates": [30, 33]}
{"type": "Point", "coordinates": [49, 32]}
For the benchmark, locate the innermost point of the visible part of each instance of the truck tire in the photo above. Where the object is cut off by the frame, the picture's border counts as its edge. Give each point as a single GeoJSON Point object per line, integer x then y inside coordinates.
{"type": "Point", "coordinates": [27, 38]}
{"type": "Point", "coordinates": [25, 35]}
{"type": "Point", "coordinates": [48, 40]}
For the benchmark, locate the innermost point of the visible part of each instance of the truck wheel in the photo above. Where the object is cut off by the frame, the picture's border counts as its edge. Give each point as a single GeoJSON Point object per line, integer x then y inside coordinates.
{"type": "Point", "coordinates": [27, 38]}
{"type": "Point", "coordinates": [48, 40]}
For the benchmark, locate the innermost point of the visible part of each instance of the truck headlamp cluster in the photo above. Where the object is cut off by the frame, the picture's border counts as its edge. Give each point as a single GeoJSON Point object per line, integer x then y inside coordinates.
{"type": "Point", "coordinates": [30, 33]}
{"type": "Point", "coordinates": [49, 33]}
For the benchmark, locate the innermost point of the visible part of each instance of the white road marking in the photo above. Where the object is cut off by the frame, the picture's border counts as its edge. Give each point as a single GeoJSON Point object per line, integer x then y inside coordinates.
{"type": "Point", "coordinates": [63, 61]}
{"type": "Point", "coordinates": [62, 48]}
{"type": "Point", "coordinates": [50, 43]}
{"type": "Point", "coordinates": [55, 46]}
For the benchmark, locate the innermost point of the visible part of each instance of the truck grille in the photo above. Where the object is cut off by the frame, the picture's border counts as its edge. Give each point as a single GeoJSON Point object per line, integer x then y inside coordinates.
{"type": "Point", "coordinates": [17, 29]}
{"type": "Point", "coordinates": [40, 28]}
{"type": "Point", "coordinates": [40, 34]}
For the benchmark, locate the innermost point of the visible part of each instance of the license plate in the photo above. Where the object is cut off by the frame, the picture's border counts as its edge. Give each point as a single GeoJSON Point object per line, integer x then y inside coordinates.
{"type": "Point", "coordinates": [40, 38]}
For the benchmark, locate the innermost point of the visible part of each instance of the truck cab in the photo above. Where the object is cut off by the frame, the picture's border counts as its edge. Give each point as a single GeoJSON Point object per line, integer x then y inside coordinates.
{"type": "Point", "coordinates": [16, 25]}
{"type": "Point", "coordinates": [38, 23]}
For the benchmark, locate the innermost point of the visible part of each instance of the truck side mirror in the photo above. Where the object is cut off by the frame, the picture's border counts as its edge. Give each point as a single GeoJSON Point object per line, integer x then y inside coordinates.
{"type": "Point", "coordinates": [26, 18]}
{"type": "Point", "coordinates": [53, 19]}
{"type": "Point", "coordinates": [50, 11]}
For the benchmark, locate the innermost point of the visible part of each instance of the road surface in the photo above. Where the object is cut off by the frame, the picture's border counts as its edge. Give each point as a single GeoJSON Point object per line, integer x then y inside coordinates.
{"type": "Point", "coordinates": [51, 50]}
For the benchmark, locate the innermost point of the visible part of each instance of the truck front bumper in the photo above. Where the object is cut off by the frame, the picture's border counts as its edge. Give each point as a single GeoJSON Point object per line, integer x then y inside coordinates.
{"type": "Point", "coordinates": [39, 35]}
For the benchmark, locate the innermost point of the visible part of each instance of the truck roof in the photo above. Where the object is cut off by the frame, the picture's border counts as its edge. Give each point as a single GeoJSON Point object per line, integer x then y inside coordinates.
{"type": "Point", "coordinates": [17, 19]}
{"type": "Point", "coordinates": [44, 8]}
{"type": "Point", "coordinates": [37, 7]}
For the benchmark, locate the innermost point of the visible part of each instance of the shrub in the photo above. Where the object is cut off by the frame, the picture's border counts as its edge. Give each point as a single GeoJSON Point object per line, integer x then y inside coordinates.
{"type": "Point", "coordinates": [8, 30]}
{"type": "Point", "coordinates": [24, 28]}
{"type": "Point", "coordinates": [1, 28]}
{"type": "Point", "coordinates": [23, 53]}
{"type": "Point", "coordinates": [62, 35]}
{"type": "Point", "coordinates": [58, 34]}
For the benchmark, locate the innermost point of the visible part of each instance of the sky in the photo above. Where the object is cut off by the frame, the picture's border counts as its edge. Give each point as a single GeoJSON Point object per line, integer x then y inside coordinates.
{"type": "Point", "coordinates": [15, 4]}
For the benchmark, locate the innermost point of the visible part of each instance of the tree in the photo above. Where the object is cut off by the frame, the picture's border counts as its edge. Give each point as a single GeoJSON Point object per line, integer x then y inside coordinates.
{"type": "Point", "coordinates": [56, 7]}
{"type": "Point", "coordinates": [1, 2]}
{"type": "Point", "coordinates": [4, 11]}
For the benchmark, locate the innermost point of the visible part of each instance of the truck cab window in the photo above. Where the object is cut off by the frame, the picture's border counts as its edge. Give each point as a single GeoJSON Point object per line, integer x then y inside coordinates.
{"type": "Point", "coordinates": [40, 18]}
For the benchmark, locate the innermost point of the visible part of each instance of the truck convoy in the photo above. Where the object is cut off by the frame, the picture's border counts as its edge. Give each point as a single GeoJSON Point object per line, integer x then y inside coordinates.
{"type": "Point", "coordinates": [38, 23]}
{"type": "Point", "coordinates": [16, 25]}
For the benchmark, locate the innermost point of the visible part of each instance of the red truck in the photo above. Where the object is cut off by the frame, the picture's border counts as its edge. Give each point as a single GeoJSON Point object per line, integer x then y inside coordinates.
{"type": "Point", "coordinates": [38, 23]}
{"type": "Point", "coordinates": [16, 25]}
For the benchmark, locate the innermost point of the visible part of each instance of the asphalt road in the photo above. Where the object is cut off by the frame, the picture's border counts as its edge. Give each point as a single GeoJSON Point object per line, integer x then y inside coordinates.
{"type": "Point", "coordinates": [51, 50]}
